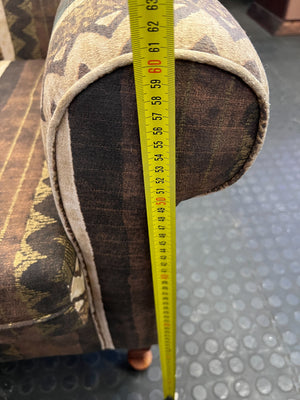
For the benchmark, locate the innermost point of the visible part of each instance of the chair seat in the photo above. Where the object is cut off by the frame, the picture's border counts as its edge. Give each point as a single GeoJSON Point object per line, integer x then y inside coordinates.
{"type": "Point", "coordinates": [44, 306]}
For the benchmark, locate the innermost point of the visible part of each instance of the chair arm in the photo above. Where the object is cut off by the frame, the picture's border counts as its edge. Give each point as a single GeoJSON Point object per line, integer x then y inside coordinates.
{"type": "Point", "coordinates": [91, 139]}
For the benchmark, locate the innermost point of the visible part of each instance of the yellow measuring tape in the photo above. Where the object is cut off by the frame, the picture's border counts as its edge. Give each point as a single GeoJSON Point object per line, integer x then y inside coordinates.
{"type": "Point", "coordinates": [152, 36]}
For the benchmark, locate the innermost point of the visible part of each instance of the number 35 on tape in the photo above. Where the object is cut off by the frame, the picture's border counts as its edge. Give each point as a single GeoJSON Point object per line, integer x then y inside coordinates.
{"type": "Point", "coordinates": [152, 36]}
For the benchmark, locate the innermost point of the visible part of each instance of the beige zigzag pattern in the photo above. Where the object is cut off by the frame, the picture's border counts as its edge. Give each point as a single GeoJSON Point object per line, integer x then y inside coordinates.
{"type": "Point", "coordinates": [27, 256]}
{"type": "Point", "coordinates": [14, 19]}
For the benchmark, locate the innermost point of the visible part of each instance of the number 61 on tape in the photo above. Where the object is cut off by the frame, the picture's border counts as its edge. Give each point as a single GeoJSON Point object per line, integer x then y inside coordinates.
{"type": "Point", "coordinates": [152, 36]}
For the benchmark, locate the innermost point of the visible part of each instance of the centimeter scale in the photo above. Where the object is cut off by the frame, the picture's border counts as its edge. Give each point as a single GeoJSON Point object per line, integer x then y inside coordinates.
{"type": "Point", "coordinates": [152, 36]}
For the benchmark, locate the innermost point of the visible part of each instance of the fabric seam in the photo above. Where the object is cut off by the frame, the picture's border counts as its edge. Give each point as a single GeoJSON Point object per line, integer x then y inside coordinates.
{"type": "Point", "coordinates": [21, 324]}
{"type": "Point", "coordinates": [108, 67]}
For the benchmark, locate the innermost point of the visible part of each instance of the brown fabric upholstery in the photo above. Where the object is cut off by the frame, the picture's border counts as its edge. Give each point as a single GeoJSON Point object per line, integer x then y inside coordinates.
{"type": "Point", "coordinates": [109, 178]}
{"type": "Point", "coordinates": [44, 309]}
{"type": "Point", "coordinates": [90, 134]}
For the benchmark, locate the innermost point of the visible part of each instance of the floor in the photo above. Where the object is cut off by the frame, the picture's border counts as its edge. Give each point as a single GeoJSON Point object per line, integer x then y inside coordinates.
{"type": "Point", "coordinates": [238, 327]}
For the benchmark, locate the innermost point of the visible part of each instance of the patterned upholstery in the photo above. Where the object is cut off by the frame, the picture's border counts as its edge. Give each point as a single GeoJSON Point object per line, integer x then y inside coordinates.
{"type": "Point", "coordinates": [44, 308]}
{"type": "Point", "coordinates": [29, 23]}
{"type": "Point", "coordinates": [90, 133]}
{"type": "Point", "coordinates": [75, 270]}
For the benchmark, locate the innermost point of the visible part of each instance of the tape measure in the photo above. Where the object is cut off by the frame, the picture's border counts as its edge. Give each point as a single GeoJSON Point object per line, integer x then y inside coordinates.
{"type": "Point", "coordinates": [152, 37]}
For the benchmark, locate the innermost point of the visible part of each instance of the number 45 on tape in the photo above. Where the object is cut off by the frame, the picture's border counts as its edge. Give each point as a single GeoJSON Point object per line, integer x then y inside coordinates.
{"type": "Point", "coordinates": [152, 36]}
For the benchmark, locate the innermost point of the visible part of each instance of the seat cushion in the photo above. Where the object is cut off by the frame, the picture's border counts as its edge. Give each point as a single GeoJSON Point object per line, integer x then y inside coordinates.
{"type": "Point", "coordinates": [44, 307]}
{"type": "Point", "coordinates": [90, 132]}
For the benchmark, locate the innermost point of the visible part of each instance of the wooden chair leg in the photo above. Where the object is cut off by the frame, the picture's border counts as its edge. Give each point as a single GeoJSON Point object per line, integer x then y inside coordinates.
{"type": "Point", "coordinates": [140, 359]}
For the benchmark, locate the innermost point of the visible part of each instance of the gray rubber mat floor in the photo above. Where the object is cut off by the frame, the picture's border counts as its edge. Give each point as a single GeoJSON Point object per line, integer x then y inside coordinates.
{"type": "Point", "coordinates": [238, 328]}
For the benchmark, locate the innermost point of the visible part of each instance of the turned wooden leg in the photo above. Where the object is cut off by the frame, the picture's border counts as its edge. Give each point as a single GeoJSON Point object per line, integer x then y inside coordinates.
{"type": "Point", "coordinates": [140, 359]}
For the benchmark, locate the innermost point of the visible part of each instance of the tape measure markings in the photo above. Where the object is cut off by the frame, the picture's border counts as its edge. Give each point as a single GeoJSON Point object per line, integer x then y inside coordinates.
{"type": "Point", "coordinates": [152, 39]}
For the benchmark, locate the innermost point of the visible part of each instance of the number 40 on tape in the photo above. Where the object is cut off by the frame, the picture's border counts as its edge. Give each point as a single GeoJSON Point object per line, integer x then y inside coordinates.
{"type": "Point", "coordinates": [152, 36]}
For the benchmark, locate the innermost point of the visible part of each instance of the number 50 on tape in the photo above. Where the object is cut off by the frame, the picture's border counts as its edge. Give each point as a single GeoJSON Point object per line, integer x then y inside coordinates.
{"type": "Point", "coordinates": [152, 36]}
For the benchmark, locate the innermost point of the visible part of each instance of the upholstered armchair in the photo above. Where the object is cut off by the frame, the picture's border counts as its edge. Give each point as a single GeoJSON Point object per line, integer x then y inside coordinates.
{"type": "Point", "coordinates": [75, 272]}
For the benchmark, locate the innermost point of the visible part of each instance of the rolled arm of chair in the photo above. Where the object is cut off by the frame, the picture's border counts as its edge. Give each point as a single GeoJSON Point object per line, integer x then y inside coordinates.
{"type": "Point", "coordinates": [91, 140]}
